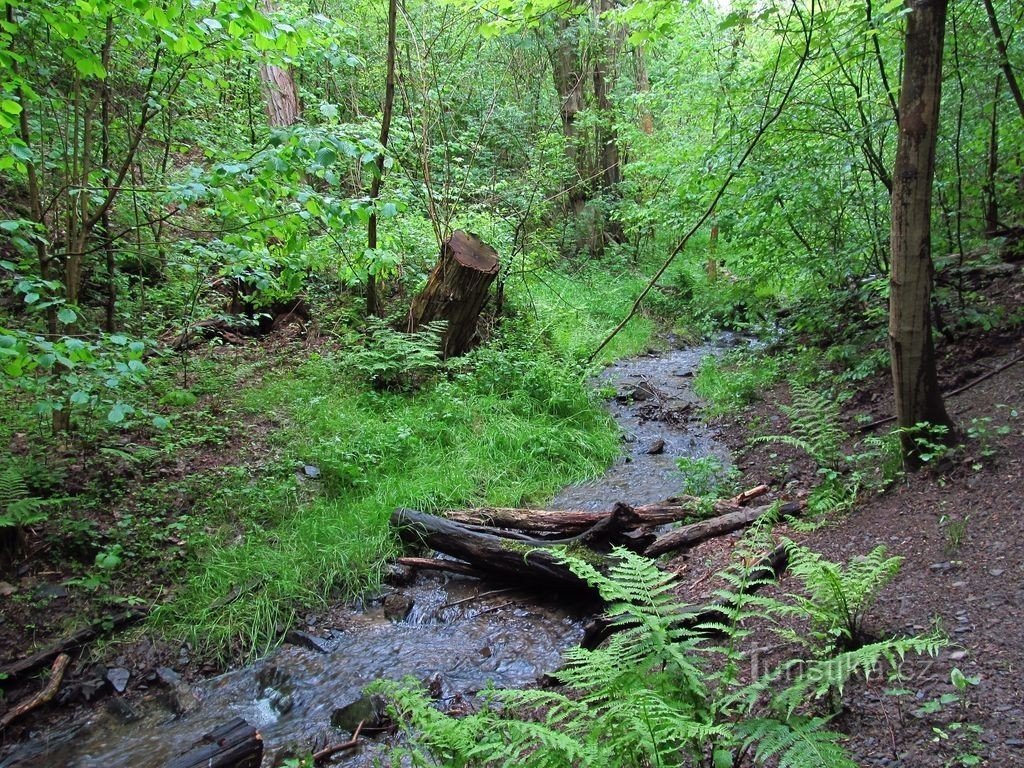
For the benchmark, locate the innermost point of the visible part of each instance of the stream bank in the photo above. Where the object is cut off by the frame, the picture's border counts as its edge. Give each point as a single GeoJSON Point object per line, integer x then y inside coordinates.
{"type": "Point", "coordinates": [454, 634]}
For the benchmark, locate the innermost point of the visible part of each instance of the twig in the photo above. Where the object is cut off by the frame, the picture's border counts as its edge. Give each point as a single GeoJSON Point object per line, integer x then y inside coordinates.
{"type": "Point", "coordinates": [323, 754]}
{"type": "Point", "coordinates": [954, 393]}
{"type": "Point", "coordinates": [478, 596]}
{"type": "Point", "coordinates": [56, 676]}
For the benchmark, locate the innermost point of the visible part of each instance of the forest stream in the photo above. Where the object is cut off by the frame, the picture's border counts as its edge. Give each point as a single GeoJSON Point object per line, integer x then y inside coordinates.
{"type": "Point", "coordinates": [455, 634]}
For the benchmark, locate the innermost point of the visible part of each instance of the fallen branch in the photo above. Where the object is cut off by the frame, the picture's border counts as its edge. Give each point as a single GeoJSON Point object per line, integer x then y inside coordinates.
{"type": "Point", "coordinates": [437, 564]}
{"type": "Point", "coordinates": [236, 744]}
{"type": "Point", "coordinates": [972, 383]}
{"type": "Point", "coordinates": [571, 522]}
{"type": "Point", "coordinates": [326, 752]}
{"type": "Point", "coordinates": [56, 676]}
{"type": "Point", "coordinates": [72, 642]}
{"type": "Point", "coordinates": [695, 533]}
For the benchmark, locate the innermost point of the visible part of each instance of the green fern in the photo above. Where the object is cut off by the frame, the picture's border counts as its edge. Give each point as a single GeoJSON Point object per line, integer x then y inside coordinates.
{"type": "Point", "coordinates": [18, 507]}
{"type": "Point", "coordinates": [814, 420]}
{"type": "Point", "coordinates": [662, 693]}
{"type": "Point", "coordinates": [838, 599]}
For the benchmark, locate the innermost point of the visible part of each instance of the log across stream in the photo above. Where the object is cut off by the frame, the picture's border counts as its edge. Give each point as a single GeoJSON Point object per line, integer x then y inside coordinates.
{"type": "Point", "coordinates": [454, 632]}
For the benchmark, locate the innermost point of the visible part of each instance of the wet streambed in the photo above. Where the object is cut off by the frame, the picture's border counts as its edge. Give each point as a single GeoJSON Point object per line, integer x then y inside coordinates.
{"type": "Point", "coordinates": [459, 636]}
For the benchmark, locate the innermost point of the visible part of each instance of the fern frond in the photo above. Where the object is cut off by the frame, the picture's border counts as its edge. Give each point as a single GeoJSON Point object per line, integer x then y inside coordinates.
{"type": "Point", "coordinates": [797, 742]}
{"type": "Point", "coordinates": [814, 420]}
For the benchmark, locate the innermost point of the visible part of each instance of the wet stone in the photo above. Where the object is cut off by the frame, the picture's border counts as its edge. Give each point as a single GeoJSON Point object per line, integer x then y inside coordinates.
{"type": "Point", "coordinates": [122, 710]}
{"type": "Point", "coordinates": [309, 641]}
{"type": "Point", "coordinates": [656, 448]}
{"type": "Point", "coordinates": [368, 710]}
{"type": "Point", "coordinates": [118, 677]}
{"type": "Point", "coordinates": [941, 567]}
{"type": "Point", "coordinates": [397, 606]}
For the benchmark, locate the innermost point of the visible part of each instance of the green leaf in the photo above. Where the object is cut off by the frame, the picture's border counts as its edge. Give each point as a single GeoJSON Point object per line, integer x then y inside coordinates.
{"type": "Point", "coordinates": [10, 106]}
{"type": "Point", "coordinates": [118, 412]}
{"type": "Point", "coordinates": [161, 422]}
{"type": "Point", "coordinates": [79, 398]}
{"type": "Point", "coordinates": [67, 315]}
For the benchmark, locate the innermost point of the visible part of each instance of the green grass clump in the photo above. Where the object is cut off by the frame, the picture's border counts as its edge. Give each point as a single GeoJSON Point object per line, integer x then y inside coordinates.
{"type": "Point", "coordinates": [734, 381]}
{"type": "Point", "coordinates": [509, 425]}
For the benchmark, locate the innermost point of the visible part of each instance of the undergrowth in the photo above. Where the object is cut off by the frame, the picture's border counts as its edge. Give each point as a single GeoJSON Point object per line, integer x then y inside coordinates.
{"type": "Point", "coordinates": [507, 425]}
{"type": "Point", "coordinates": [663, 691]}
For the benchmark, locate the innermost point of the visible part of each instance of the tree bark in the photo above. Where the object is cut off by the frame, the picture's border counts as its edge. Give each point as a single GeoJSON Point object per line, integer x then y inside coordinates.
{"type": "Point", "coordinates": [568, 81]}
{"type": "Point", "coordinates": [915, 379]}
{"type": "Point", "coordinates": [279, 91]}
{"type": "Point", "coordinates": [456, 291]}
{"type": "Point", "coordinates": [1004, 59]}
{"type": "Point", "coordinates": [372, 301]}
{"type": "Point", "coordinates": [692, 534]}
{"type": "Point", "coordinates": [989, 187]}
{"type": "Point", "coordinates": [236, 744]}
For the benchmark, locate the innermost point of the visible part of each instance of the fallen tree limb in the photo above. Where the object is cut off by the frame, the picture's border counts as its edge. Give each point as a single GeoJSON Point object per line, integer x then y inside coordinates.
{"type": "Point", "coordinates": [52, 686]}
{"type": "Point", "coordinates": [519, 561]}
{"type": "Point", "coordinates": [326, 752]}
{"type": "Point", "coordinates": [569, 522]}
{"type": "Point", "coordinates": [236, 744]}
{"type": "Point", "coordinates": [72, 642]}
{"type": "Point", "coordinates": [695, 533]}
{"type": "Point", "coordinates": [437, 564]}
{"type": "Point", "coordinates": [768, 568]}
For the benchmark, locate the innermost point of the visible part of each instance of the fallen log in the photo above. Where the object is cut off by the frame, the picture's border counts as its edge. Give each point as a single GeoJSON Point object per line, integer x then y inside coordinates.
{"type": "Point", "coordinates": [69, 643]}
{"type": "Point", "coordinates": [520, 560]}
{"type": "Point", "coordinates": [45, 695]}
{"type": "Point", "coordinates": [236, 744]}
{"type": "Point", "coordinates": [437, 564]}
{"type": "Point", "coordinates": [569, 522]}
{"type": "Point", "coordinates": [692, 534]}
{"type": "Point", "coordinates": [767, 569]}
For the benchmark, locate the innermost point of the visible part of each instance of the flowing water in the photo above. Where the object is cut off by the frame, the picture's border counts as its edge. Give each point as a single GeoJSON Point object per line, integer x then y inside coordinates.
{"type": "Point", "coordinates": [459, 636]}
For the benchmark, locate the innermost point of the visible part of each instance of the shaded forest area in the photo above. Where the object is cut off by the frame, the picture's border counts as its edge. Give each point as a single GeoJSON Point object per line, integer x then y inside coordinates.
{"type": "Point", "coordinates": [271, 271]}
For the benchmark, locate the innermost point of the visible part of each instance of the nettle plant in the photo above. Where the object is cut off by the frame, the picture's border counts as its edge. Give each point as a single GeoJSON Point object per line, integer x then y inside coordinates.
{"type": "Point", "coordinates": [663, 690]}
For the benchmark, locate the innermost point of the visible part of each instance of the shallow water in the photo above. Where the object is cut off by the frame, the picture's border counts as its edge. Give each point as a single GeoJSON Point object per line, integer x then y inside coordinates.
{"type": "Point", "coordinates": [460, 634]}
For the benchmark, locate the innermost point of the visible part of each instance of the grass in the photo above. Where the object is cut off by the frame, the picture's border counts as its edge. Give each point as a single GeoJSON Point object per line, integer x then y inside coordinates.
{"type": "Point", "coordinates": [507, 426]}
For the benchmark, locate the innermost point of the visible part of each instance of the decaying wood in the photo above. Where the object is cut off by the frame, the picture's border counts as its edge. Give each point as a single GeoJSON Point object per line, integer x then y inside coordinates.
{"type": "Point", "coordinates": [70, 643]}
{"type": "Point", "coordinates": [767, 569]}
{"type": "Point", "coordinates": [568, 523]}
{"type": "Point", "coordinates": [236, 744]}
{"type": "Point", "coordinates": [692, 534]}
{"type": "Point", "coordinates": [332, 750]}
{"type": "Point", "coordinates": [522, 560]}
{"type": "Point", "coordinates": [52, 686]}
{"type": "Point", "coordinates": [437, 564]}
{"type": "Point", "coordinates": [456, 291]}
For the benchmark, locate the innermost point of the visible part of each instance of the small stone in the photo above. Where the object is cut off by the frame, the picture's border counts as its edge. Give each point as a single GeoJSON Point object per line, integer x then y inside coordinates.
{"type": "Point", "coordinates": [959, 584]}
{"type": "Point", "coordinates": [656, 448]}
{"type": "Point", "coordinates": [368, 710]}
{"type": "Point", "coordinates": [1018, 743]}
{"type": "Point", "coordinates": [997, 571]}
{"type": "Point", "coordinates": [7, 589]}
{"type": "Point", "coordinates": [309, 641]}
{"type": "Point", "coordinates": [486, 652]}
{"type": "Point", "coordinates": [397, 606]}
{"type": "Point", "coordinates": [118, 677]}
{"type": "Point", "coordinates": [310, 471]}
{"type": "Point", "coordinates": [51, 592]}
{"type": "Point", "coordinates": [957, 655]}
{"type": "Point", "coordinates": [946, 566]}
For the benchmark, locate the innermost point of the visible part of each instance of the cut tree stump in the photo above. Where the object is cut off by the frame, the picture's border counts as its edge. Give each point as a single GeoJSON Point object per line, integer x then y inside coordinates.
{"type": "Point", "coordinates": [236, 744]}
{"type": "Point", "coordinates": [456, 291]}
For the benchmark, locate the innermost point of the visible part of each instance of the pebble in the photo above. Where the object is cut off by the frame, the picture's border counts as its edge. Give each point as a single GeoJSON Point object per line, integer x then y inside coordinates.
{"type": "Point", "coordinates": [118, 677]}
{"type": "Point", "coordinates": [7, 589]}
{"type": "Point", "coordinates": [997, 571]}
{"type": "Point", "coordinates": [946, 566]}
{"type": "Point", "coordinates": [1018, 743]}
{"type": "Point", "coordinates": [957, 655]}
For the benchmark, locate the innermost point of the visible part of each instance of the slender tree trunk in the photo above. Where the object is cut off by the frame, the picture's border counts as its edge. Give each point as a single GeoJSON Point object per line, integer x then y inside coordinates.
{"type": "Point", "coordinates": [568, 81]}
{"type": "Point", "coordinates": [1004, 59]}
{"type": "Point", "coordinates": [991, 202]}
{"type": "Point", "coordinates": [279, 91]}
{"type": "Point", "coordinates": [607, 139]}
{"type": "Point", "coordinates": [915, 380]}
{"type": "Point", "coordinates": [643, 87]}
{"type": "Point", "coordinates": [372, 302]}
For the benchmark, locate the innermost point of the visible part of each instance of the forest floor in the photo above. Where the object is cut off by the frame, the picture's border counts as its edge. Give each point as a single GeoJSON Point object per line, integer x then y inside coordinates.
{"type": "Point", "coordinates": [959, 525]}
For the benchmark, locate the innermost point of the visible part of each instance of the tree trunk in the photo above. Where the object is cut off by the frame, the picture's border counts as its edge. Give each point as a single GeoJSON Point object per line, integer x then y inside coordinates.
{"type": "Point", "coordinates": [915, 380]}
{"type": "Point", "coordinates": [989, 187]}
{"type": "Point", "coordinates": [604, 77]}
{"type": "Point", "coordinates": [568, 81]}
{"type": "Point", "coordinates": [643, 87]}
{"type": "Point", "coordinates": [372, 301]}
{"type": "Point", "coordinates": [1004, 59]}
{"type": "Point", "coordinates": [282, 98]}
{"type": "Point", "coordinates": [456, 291]}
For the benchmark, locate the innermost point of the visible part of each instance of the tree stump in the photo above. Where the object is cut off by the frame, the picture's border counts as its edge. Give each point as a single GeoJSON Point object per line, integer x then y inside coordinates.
{"type": "Point", "coordinates": [456, 291]}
